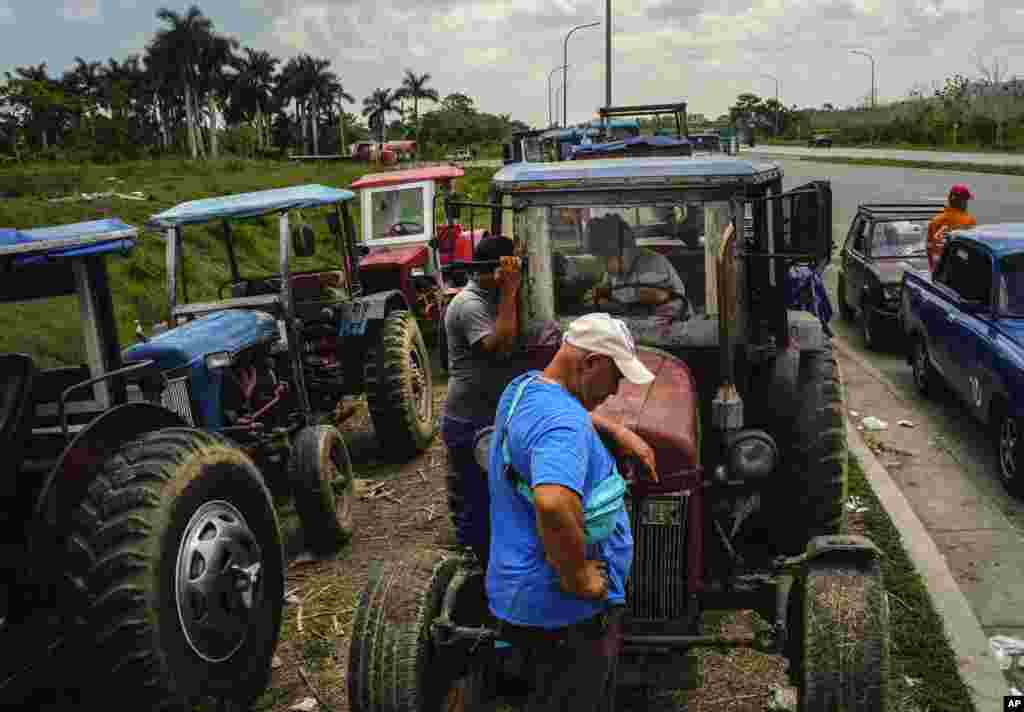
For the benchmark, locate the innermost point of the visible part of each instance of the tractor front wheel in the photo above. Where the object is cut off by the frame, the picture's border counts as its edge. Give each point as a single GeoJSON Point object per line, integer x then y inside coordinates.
{"type": "Point", "coordinates": [842, 629]}
{"type": "Point", "coordinates": [323, 487]}
{"type": "Point", "coordinates": [399, 386]}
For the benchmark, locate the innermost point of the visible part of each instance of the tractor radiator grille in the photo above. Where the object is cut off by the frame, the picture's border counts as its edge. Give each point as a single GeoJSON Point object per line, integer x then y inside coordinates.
{"type": "Point", "coordinates": [176, 398]}
{"type": "Point", "coordinates": [656, 588]}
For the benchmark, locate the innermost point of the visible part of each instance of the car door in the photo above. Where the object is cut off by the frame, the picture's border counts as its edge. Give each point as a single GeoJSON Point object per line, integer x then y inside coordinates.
{"type": "Point", "coordinates": [856, 261]}
{"type": "Point", "coordinates": [970, 328]}
{"type": "Point", "coordinates": [938, 312]}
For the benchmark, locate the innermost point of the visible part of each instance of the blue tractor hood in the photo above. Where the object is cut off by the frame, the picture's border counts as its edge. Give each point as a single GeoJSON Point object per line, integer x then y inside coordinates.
{"type": "Point", "coordinates": [188, 345]}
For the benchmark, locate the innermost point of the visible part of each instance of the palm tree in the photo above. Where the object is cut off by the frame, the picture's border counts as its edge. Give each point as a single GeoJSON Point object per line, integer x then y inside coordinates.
{"type": "Point", "coordinates": [415, 88]}
{"type": "Point", "coordinates": [83, 82]}
{"type": "Point", "coordinates": [376, 108]}
{"type": "Point", "coordinates": [339, 95]}
{"type": "Point", "coordinates": [180, 41]}
{"type": "Point", "coordinates": [253, 89]}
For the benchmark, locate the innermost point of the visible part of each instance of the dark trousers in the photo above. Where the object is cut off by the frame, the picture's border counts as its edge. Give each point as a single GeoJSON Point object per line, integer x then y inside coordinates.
{"type": "Point", "coordinates": [571, 668]}
{"type": "Point", "coordinates": [469, 500]}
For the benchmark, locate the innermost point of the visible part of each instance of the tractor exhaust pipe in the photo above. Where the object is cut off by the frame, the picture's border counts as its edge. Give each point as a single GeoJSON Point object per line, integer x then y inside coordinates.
{"type": "Point", "coordinates": [727, 406]}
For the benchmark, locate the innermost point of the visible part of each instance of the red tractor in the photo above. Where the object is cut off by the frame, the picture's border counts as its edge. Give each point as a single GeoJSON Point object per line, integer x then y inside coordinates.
{"type": "Point", "coordinates": [406, 249]}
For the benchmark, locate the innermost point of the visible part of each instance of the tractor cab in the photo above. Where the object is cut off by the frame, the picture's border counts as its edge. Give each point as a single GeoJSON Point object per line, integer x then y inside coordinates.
{"type": "Point", "coordinates": [406, 249]}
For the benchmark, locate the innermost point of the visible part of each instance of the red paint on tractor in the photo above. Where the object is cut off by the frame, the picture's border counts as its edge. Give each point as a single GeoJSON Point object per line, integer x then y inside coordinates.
{"type": "Point", "coordinates": [412, 175]}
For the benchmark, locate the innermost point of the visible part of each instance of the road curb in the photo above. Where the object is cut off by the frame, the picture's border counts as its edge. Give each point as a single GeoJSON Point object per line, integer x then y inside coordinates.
{"type": "Point", "coordinates": [978, 667]}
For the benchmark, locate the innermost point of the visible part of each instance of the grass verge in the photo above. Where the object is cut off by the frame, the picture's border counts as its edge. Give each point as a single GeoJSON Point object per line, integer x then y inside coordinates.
{"type": "Point", "coordinates": [924, 669]}
{"type": "Point", "coordinates": [929, 165]}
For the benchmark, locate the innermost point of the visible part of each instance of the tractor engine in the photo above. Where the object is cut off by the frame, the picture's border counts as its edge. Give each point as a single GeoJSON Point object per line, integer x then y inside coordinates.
{"type": "Point", "coordinates": [255, 389]}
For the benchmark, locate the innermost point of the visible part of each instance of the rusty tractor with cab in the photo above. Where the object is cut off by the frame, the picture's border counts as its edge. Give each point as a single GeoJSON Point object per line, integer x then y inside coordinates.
{"type": "Point", "coordinates": [745, 416]}
{"type": "Point", "coordinates": [142, 557]}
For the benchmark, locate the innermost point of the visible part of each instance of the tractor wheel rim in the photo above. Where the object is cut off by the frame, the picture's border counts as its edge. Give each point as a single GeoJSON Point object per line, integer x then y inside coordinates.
{"type": "Point", "coordinates": [1008, 449]}
{"type": "Point", "coordinates": [420, 393]}
{"type": "Point", "coordinates": [338, 484]}
{"type": "Point", "coordinates": [217, 580]}
{"type": "Point", "coordinates": [920, 366]}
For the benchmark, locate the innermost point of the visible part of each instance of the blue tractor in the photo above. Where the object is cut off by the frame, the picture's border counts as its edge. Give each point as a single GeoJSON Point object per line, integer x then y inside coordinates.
{"type": "Point", "coordinates": [141, 556]}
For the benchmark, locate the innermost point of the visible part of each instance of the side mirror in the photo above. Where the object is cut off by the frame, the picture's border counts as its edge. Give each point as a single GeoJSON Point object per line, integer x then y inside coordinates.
{"type": "Point", "coordinates": [334, 223]}
{"type": "Point", "coordinates": [303, 241]}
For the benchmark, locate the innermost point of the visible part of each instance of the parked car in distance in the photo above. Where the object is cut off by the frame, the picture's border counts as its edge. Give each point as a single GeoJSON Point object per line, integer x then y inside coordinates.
{"type": "Point", "coordinates": [965, 328]}
{"type": "Point", "coordinates": [820, 141]}
{"type": "Point", "coordinates": [884, 240]}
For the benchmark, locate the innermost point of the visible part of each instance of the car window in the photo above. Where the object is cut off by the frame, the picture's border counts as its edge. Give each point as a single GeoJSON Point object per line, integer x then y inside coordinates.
{"type": "Point", "coordinates": [968, 272]}
{"type": "Point", "coordinates": [1010, 293]}
{"type": "Point", "coordinates": [899, 238]}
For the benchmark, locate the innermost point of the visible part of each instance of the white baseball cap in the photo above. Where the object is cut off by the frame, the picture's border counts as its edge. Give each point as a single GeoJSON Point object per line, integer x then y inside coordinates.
{"type": "Point", "coordinates": [601, 334]}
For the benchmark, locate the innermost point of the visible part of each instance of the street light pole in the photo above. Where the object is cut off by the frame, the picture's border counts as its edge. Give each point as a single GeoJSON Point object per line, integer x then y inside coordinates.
{"type": "Point", "coordinates": [868, 55]}
{"type": "Point", "coordinates": [776, 102]}
{"type": "Point", "coordinates": [565, 63]}
{"type": "Point", "coordinates": [608, 52]}
{"type": "Point", "coordinates": [549, 91]}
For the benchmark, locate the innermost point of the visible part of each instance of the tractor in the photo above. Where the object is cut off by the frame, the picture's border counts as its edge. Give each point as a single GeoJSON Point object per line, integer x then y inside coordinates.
{"type": "Point", "coordinates": [407, 250]}
{"type": "Point", "coordinates": [142, 557]}
{"type": "Point", "coordinates": [745, 416]}
{"type": "Point", "coordinates": [299, 342]}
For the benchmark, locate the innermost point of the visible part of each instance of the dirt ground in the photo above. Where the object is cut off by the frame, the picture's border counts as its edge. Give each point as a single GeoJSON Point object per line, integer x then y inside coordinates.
{"type": "Point", "coordinates": [403, 506]}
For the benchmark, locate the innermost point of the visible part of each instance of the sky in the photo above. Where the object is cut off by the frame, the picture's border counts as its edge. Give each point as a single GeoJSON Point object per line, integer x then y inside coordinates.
{"type": "Point", "coordinates": [501, 52]}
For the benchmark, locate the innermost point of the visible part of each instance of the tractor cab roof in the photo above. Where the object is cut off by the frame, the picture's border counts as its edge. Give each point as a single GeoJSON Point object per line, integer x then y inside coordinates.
{"type": "Point", "coordinates": [249, 205]}
{"type": "Point", "coordinates": [63, 242]}
{"type": "Point", "coordinates": [413, 175]}
{"type": "Point", "coordinates": [634, 173]}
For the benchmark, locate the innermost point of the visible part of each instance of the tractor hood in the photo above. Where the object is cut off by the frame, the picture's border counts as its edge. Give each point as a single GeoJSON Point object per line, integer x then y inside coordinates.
{"type": "Point", "coordinates": [231, 330]}
{"type": "Point", "coordinates": [664, 412]}
{"type": "Point", "coordinates": [402, 258]}
{"type": "Point", "coordinates": [188, 345]}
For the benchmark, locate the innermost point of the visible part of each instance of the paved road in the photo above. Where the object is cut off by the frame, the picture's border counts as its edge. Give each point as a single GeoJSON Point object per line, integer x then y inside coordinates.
{"type": "Point", "coordinates": [997, 201]}
{"type": "Point", "coordinates": [995, 159]}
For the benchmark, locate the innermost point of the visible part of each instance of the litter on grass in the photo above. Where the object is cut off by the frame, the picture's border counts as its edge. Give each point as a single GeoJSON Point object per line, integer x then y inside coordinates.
{"type": "Point", "coordinates": [905, 424]}
{"type": "Point", "coordinates": [856, 505]}
{"type": "Point", "coordinates": [307, 704]}
{"type": "Point", "coordinates": [871, 423]}
{"type": "Point", "coordinates": [1006, 650]}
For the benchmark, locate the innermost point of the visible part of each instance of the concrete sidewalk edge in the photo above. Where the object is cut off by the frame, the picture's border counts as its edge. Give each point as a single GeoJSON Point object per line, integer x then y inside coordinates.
{"type": "Point", "coordinates": [977, 665]}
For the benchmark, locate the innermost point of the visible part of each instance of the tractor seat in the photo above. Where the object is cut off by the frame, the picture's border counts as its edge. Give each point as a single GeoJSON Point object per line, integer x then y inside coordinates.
{"type": "Point", "coordinates": [16, 374]}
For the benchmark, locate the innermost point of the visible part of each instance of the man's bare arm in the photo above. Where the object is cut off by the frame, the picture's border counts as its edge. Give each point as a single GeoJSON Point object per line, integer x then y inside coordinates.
{"type": "Point", "coordinates": [503, 338]}
{"type": "Point", "coordinates": [560, 524]}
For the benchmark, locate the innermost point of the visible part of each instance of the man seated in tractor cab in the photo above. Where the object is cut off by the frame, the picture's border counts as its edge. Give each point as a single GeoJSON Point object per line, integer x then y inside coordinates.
{"type": "Point", "coordinates": [636, 276]}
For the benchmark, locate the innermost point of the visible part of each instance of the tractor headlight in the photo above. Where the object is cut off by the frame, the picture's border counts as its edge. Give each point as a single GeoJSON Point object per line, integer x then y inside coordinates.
{"type": "Point", "coordinates": [220, 359]}
{"type": "Point", "coordinates": [752, 455]}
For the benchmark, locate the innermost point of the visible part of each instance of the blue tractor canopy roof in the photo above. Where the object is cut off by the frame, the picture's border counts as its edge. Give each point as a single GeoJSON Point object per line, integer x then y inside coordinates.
{"type": "Point", "coordinates": [249, 205]}
{"type": "Point", "coordinates": [613, 147]}
{"type": "Point", "coordinates": [41, 244]}
{"type": "Point", "coordinates": [641, 172]}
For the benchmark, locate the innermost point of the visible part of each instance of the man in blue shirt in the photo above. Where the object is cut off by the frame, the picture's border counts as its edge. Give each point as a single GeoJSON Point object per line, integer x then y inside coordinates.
{"type": "Point", "coordinates": [557, 591]}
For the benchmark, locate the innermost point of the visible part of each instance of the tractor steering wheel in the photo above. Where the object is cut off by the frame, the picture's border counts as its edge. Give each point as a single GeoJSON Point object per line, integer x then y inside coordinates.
{"type": "Point", "coordinates": [405, 227]}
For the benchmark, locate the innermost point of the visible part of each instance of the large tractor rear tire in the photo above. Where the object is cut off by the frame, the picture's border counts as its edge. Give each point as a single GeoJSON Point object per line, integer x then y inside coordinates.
{"type": "Point", "coordinates": [323, 487]}
{"type": "Point", "coordinates": [842, 638]}
{"type": "Point", "coordinates": [399, 387]}
{"type": "Point", "coordinates": [817, 454]}
{"type": "Point", "coordinates": [188, 583]}
{"type": "Point", "coordinates": [393, 664]}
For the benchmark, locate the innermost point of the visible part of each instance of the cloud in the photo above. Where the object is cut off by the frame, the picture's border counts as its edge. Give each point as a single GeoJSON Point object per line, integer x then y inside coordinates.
{"type": "Point", "coordinates": [6, 14]}
{"type": "Point", "coordinates": [76, 10]}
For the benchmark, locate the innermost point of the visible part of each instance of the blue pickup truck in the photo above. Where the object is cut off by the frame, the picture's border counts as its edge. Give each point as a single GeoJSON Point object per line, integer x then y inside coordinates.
{"type": "Point", "coordinates": [965, 327]}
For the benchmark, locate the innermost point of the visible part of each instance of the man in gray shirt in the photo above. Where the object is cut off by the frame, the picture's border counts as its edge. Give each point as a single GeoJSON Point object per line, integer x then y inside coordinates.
{"type": "Point", "coordinates": [481, 324]}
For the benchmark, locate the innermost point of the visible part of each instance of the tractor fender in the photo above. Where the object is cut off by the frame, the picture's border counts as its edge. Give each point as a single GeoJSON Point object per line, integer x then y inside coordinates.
{"type": "Point", "coordinates": [378, 305]}
{"type": "Point", "coordinates": [842, 547]}
{"type": "Point", "coordinates": [69, 480]}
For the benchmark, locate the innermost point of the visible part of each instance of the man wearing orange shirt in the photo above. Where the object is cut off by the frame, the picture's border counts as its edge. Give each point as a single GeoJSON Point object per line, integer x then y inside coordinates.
{"type": "Point", "coordinates": [953, 216]}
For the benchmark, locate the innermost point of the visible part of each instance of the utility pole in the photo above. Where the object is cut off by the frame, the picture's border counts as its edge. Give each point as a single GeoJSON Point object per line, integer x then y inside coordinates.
{"type": "Point", "coordinates": [776, 102]}
{"type": "Point", "coordinates": [608, 52]}
{"type": "Point", "coordinates": [868, 55]}
{"type": "Point", "coordinates": [565, 63]}
{"type": "Point", "coordinates": [549, 92]}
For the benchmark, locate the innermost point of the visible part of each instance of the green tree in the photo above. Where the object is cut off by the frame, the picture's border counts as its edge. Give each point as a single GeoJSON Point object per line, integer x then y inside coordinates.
{"type": "Point", "coordinates": [415, 87]}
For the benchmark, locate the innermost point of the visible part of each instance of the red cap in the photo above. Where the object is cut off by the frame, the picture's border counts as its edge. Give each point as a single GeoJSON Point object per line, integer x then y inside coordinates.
{"type": "Point", "coordinates": [960, 191]}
